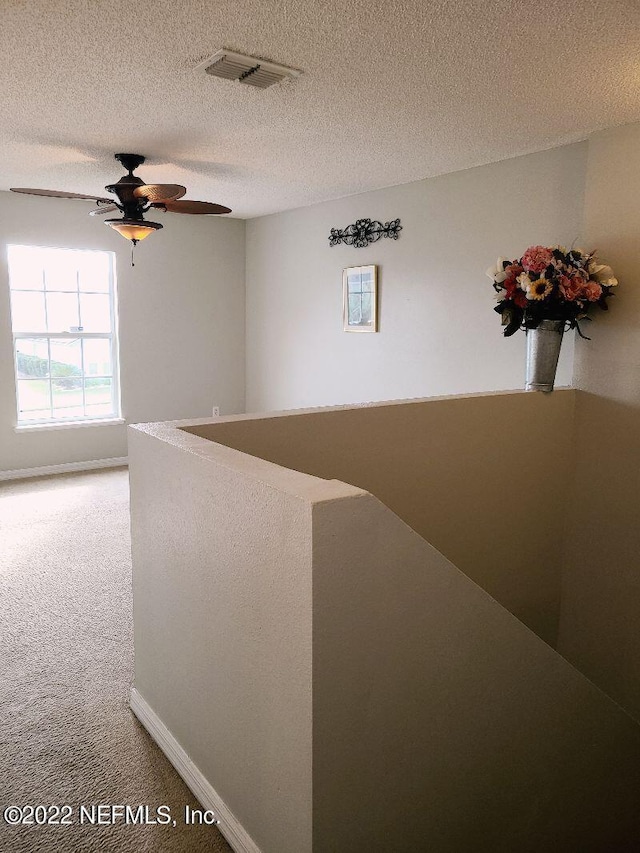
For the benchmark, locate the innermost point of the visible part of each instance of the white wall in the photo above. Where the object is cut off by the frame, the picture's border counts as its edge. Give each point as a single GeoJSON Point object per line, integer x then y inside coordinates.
{"type": "Point", "coordinates": [181, 324]}
{"type": "Point", "coordinates": [600, 628]}
{"type": "Point", "coordinates": [182, 307]}
{"type": "Point", "coordinates": [438, 332]}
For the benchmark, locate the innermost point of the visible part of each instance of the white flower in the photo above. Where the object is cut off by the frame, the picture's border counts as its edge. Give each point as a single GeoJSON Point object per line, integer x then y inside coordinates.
{"type": "Point", "coordinates": [524, 281]}
{"type": "Point", "coordinates": [603, 274]}
{"type": "Point", "coordinates": [497, 273]}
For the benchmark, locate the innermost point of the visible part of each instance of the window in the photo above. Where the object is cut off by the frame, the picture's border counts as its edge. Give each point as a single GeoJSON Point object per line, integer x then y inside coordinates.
{"type": "Point", "coordinates": [64, 334]}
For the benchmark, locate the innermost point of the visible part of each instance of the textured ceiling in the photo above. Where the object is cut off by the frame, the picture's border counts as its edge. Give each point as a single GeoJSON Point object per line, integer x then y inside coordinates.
{"type": "Point", "coordinates": [391, 91]}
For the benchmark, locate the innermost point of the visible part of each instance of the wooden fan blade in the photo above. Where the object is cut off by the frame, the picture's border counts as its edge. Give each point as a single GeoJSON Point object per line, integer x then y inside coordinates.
{"type": "Point", "coordinates": [187, 206]}
{"type": "Point", "coordinates": [160, 192]}
{"type": "Point", "coordinates": [60, 194]}
{"type": "Point", "coordinates": [106, 208]}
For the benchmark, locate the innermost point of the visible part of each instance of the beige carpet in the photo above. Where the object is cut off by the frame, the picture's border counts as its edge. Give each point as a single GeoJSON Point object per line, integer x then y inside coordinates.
{"type": "Point", "coordinates": [67, 735]}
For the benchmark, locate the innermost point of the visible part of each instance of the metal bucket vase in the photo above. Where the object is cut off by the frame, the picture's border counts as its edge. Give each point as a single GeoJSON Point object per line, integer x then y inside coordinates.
{"type": "Point", "coordinates": [543, 351]}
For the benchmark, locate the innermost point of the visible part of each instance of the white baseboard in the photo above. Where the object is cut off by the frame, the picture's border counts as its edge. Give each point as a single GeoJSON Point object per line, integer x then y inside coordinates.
{"type": "Point", "coordinates": [65, 468]}
{"type": "Point", "coordinates": [237, 837]}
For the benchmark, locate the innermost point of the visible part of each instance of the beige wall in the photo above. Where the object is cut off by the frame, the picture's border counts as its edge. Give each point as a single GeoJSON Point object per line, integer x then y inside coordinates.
{"type": "Point", "coordinates": [441, 723]}
{"type": "Point", "coordinates": [465, 473]}
{"type": "Point", "coordinates": [438, 332]}
{"type": "Point", "coordinates": [341, 684]}
{"type": "Point", "coordinates": [600, 628]}
{"type": "Point", "coordinates": [181, 324]}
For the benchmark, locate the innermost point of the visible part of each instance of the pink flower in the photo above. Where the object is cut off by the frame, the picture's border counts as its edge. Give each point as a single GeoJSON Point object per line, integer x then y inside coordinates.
{"type": "Point", "coordinates": [593, 291]}
{"type": "Point", "coordinates": [570, 288]}
{"type": "Point", "coordinates": [537, 258]}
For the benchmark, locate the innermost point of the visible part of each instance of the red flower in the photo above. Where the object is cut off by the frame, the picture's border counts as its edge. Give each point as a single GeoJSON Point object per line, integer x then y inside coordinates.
{"type": "Point", "coordinates": [513, 290]}
{"type": "Point", "coordinates": [510, 285]}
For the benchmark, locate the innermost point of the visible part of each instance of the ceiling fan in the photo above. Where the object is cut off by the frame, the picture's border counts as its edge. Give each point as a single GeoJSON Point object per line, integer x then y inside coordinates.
{"type": "Point", "coordinates": [133, 198]}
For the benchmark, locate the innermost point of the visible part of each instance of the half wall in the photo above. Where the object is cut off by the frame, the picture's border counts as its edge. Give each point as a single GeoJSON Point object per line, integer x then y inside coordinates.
{"type": "Point", "coordinates": [338, 683]}
{"type": "Point", "coordinates": [484, 478]}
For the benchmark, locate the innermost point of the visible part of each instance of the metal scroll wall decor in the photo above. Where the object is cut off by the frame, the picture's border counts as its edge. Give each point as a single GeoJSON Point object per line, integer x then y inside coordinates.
{"type": "Point", "coordinates": [365, 231]}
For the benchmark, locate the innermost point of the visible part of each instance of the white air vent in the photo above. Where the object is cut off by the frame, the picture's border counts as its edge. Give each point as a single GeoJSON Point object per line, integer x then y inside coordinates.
{"type": "Point", "coordinates": [246, 69]}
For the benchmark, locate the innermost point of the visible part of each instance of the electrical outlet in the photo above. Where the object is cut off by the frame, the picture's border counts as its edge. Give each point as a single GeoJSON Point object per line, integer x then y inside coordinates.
{"type": "Point", "coordinates": [216, 411]}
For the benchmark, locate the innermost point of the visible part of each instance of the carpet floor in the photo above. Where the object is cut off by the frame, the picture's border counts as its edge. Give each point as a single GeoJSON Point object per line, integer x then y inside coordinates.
{"type": "Point", "coordinates": [67, 736]}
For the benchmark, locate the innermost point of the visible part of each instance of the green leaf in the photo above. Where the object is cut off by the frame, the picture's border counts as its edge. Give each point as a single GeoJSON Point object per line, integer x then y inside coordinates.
{"type": "Point", "coordinates": [514, 321]}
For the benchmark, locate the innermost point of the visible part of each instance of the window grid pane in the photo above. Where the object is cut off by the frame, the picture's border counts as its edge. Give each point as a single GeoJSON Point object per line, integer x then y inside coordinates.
{"type": "Point", "coordinates": [28, 311]}
{"type": "Point", "coordinates": [32, 358]}
{"type": "Point", "coordinates": [34, 396]}
{"type": "Point", "coordinates": [95, 311]}
{"type": "Point", "coordinates": [66, 377]}
{"type": "Point", "coordinates": [62, 311]}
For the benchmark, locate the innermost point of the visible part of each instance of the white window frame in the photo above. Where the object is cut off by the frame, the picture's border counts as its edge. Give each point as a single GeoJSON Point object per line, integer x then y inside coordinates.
{"type": "Point", "coordinates": [112, 336]}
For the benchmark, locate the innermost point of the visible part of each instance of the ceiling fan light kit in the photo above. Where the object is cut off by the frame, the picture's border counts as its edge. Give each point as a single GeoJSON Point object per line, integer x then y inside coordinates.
{"type": "Point", "coordinates": [133, 229]}
{"type": "Point", "coordinates": [133, 198]}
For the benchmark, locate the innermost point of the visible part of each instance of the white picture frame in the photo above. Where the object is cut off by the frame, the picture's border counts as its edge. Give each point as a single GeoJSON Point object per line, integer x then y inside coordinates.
{"type": "Point", "coordinates": [360, 298]}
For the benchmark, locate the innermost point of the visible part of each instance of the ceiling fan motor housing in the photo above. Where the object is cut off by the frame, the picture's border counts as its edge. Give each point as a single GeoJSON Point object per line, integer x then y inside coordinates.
{"type": "Point", "coordinates": [133, 207]}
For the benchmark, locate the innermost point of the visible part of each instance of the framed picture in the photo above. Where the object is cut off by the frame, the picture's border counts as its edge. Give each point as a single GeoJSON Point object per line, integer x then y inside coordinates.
{"type": "Point", "coordinates": [360, 299]}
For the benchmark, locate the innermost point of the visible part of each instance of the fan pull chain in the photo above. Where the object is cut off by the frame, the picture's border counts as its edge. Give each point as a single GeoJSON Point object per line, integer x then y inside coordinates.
{"type": "Point", "coordinates": [133, 245]}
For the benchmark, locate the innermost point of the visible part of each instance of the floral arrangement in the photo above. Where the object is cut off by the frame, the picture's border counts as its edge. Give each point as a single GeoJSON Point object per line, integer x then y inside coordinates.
{"type": "Point", "coordinates": [550, 284]}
